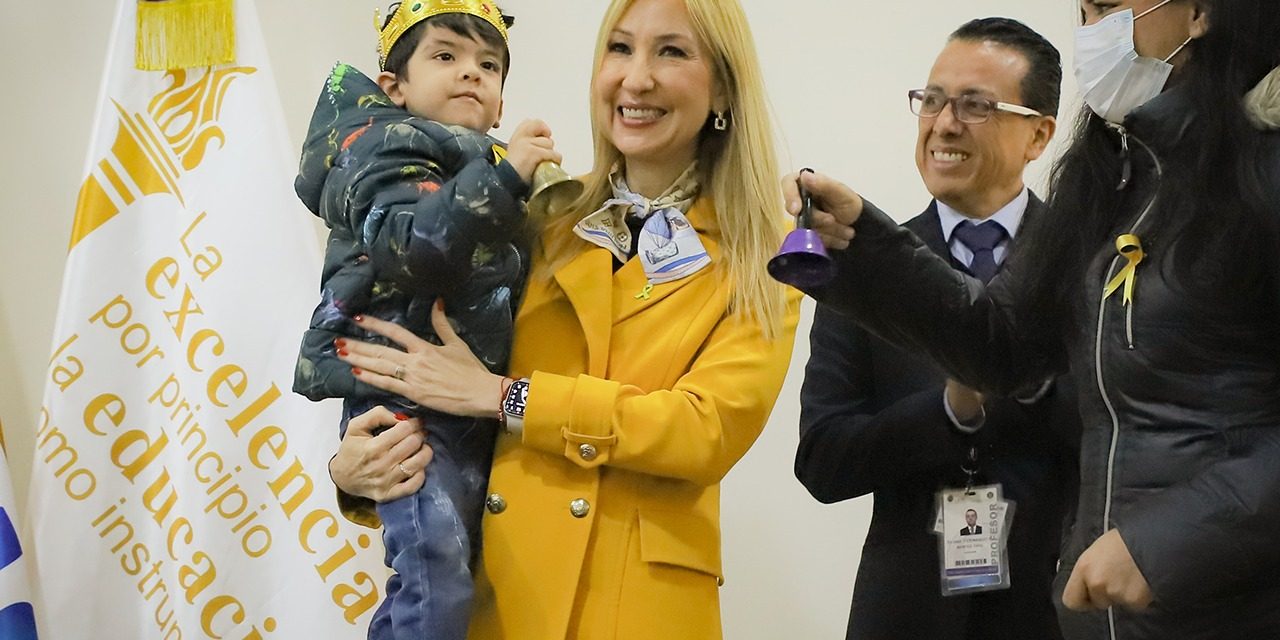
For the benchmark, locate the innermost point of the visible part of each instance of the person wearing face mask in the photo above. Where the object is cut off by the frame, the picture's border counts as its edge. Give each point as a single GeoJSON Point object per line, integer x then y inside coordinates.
{"type": "Point", "coordinates": [1154, 279]}
{"type": "Point", "coordinates": [1114, 79]}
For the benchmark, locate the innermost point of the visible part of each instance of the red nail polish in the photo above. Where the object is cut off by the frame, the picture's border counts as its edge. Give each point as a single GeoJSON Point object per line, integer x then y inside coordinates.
{"type": "Point", "coordinates": [342, 352]}
{"type": "Point", "coordinates": [339, 343]}
{"type": "Point", "coordinates": [356, 371]}
{"type": "Point", "coordinates": [440, 303]}
{"type": "Point", "coordinates": [358, 319]}
{"type": "Point", "coordinates": [401, 417]}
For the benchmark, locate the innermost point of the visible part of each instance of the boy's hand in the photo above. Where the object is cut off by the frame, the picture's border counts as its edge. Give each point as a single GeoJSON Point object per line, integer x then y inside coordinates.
{"type": "Point", "coordinates": [530, 146]}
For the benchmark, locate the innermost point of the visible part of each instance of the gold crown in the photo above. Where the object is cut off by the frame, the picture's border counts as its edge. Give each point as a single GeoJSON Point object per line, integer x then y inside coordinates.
{"type": "Point", "coordinates": [411, 12]}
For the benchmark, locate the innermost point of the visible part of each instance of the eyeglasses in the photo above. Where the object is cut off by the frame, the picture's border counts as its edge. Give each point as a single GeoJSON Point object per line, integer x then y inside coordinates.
{"type": "Point", "coordinates": [969, 109]}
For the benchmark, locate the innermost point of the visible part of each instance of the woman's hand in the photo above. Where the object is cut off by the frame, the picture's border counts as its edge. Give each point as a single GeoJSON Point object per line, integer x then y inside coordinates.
{"type": "Point", "coordinates": [384, 467]}
{"type": "Point", "coordinates": [835, 206]}
{"type": "Point", "coordinates": [447, 378]}
{"type": "Point", "coordinates": [1106, 576]}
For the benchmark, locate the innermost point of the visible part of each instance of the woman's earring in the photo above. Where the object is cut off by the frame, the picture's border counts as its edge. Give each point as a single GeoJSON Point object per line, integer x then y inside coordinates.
{"type": "Point", "coordinates": [720, 123]}
{"type": "Point", "coordinates": [497, 124]}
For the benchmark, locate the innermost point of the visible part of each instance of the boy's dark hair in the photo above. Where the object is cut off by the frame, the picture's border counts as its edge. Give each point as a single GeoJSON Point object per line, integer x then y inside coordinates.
{"type": "Point", "coordinates": [463, 24]}
{"type": "Point", "coordinates": [1042, 85]}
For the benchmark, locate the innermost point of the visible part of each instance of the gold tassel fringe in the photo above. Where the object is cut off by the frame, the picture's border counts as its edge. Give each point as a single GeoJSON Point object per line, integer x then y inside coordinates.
{"type": "Point", "coordinates": [180, 34]}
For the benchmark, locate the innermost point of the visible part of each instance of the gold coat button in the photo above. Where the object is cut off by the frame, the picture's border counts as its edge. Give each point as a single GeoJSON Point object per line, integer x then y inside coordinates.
{"type": "Point", "coordinates": [579, 508]}
{"type": "Point", "coordinates": [588, 452]}
{"type": "Point", "coordinates": [495, 503]}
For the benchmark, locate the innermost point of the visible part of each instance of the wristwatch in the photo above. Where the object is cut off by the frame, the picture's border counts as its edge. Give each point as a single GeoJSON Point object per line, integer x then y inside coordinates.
{"type": "Point", "coordinates": [513, 405]}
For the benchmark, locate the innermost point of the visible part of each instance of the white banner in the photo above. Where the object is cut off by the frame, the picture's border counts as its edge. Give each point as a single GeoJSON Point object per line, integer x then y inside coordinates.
{"type": "Point", "coordinates": [179, 488]}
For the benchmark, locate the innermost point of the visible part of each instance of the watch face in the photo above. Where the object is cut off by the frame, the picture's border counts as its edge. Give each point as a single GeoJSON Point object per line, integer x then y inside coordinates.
{"type": "Point", "coordinates": [517, 395]}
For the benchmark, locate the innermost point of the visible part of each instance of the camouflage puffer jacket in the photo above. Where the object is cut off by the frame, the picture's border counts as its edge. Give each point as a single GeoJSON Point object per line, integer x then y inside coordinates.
{"type": "Point", "coordinates": [417, 210]}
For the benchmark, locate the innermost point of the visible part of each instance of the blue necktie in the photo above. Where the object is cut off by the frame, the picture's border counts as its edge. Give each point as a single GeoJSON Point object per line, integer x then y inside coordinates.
{"type": "Point", "coordinates": [981, 240]}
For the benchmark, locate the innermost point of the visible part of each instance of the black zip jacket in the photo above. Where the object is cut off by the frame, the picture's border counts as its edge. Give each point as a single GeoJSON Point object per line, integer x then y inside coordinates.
{"type": "Point", "coordinates": [1179, 394]}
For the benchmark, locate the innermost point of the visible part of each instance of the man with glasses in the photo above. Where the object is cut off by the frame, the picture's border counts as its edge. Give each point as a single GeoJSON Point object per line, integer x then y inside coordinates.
{"type": "Point", "coordinates": [877, 420]}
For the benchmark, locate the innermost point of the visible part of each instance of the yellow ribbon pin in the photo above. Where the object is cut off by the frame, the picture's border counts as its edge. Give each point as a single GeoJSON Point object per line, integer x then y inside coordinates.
{"type": "Point", "coordinates": [1130, 247]}
{"type": "Point", "coordinates": [644, 293]}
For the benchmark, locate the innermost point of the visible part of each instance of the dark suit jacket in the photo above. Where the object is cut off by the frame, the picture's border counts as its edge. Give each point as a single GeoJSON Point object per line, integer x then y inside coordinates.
{"type": "Point", "coordinates": [872, 420]}
{"type": "Point", "coordinates": [976, 530]}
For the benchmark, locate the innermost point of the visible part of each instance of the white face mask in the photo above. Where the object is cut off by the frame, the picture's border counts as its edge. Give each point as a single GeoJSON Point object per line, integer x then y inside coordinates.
{"type": "Point", "coordinates": [1112, 77]}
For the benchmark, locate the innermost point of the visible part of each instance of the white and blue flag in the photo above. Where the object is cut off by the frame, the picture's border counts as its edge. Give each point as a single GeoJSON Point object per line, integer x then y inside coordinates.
{"type": "Point", "coordinates": [17, 617]}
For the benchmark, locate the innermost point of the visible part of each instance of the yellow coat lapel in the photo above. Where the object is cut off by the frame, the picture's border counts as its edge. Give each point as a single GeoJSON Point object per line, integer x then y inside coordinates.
{"type": "Point", "coordinates": [602, 298]}
{"type": "Point", "coordinates": [587, 281]}
{"type": "Point", "coordinates": [630, 280]}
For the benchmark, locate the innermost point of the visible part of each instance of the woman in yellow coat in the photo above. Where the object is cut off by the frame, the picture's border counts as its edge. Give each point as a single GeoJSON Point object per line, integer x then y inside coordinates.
{"type": "Point", "coordinates": [649, 349]}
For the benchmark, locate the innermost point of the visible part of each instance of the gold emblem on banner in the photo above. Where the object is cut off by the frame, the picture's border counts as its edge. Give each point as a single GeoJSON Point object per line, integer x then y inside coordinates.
{"type": "Point", "coordinates": [153, 150]}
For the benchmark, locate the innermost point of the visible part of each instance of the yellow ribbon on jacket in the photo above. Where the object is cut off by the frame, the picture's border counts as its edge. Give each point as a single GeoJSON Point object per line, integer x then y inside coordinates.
{"type": "Point", "coordinates": [1130, 247]}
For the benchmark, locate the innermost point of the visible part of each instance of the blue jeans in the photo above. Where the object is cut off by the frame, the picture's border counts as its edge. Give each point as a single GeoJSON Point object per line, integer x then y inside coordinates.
{"type": "Point", "coordinates": [432, 536]}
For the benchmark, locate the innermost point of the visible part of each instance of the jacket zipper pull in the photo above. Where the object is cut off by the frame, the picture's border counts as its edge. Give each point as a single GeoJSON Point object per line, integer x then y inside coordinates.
{"type": "Point", "coordinates": [1126, 169]}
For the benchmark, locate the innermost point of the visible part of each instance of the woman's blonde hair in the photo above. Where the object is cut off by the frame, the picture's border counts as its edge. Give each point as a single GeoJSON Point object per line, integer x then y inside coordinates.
{"type": "Point", "coordinates": [738, 166]}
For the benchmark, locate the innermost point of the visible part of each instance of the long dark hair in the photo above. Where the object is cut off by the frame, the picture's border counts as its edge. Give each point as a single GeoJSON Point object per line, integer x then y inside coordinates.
{"type": "Point", "coordinates": [1215, 182]}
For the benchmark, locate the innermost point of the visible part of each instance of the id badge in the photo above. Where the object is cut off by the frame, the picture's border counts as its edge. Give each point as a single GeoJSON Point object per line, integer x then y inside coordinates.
{"type": "Point", "coordinates": [972, 527]}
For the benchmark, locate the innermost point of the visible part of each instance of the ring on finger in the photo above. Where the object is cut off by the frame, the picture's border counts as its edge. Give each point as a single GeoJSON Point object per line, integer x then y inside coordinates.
{"type": "Point", "coordinates": [403, 470]}
{"type": "Point", "coordinates": [399, 372]}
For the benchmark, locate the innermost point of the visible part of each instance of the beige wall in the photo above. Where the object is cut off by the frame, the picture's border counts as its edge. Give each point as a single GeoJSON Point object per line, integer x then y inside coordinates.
{"type": "Point", "coordinates": [837, 74]}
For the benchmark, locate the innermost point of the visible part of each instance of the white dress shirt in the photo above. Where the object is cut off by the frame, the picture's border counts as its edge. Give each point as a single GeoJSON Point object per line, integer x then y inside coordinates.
{"type": "Point", "coordinates": [1010, 217]}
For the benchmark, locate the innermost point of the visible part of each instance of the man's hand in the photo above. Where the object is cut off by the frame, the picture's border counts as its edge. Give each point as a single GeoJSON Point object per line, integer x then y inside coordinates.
{"type": "Point", "coordinates": [1106, 576]}
{"type": "Point", "coordinates": [965, 403]}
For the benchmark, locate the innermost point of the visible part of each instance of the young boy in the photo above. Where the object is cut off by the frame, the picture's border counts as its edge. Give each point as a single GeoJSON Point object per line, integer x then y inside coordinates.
{"type": "Point", "coordinates": [421, 204]}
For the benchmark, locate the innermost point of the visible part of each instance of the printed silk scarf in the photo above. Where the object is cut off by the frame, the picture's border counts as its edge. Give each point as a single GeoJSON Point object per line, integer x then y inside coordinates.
{"type": "Point", "coordinates": [668, 247]}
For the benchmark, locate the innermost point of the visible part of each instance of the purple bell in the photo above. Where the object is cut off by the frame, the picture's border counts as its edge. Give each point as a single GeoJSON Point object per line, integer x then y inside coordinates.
{"type": "Point", "coordinates": [802, 261]}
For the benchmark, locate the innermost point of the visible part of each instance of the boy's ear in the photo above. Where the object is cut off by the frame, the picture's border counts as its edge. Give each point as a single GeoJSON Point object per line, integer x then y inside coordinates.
{"type": "Point", "coordinates": [391, 86]}
{"type": "Point", "coordinates": [498, 121]}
